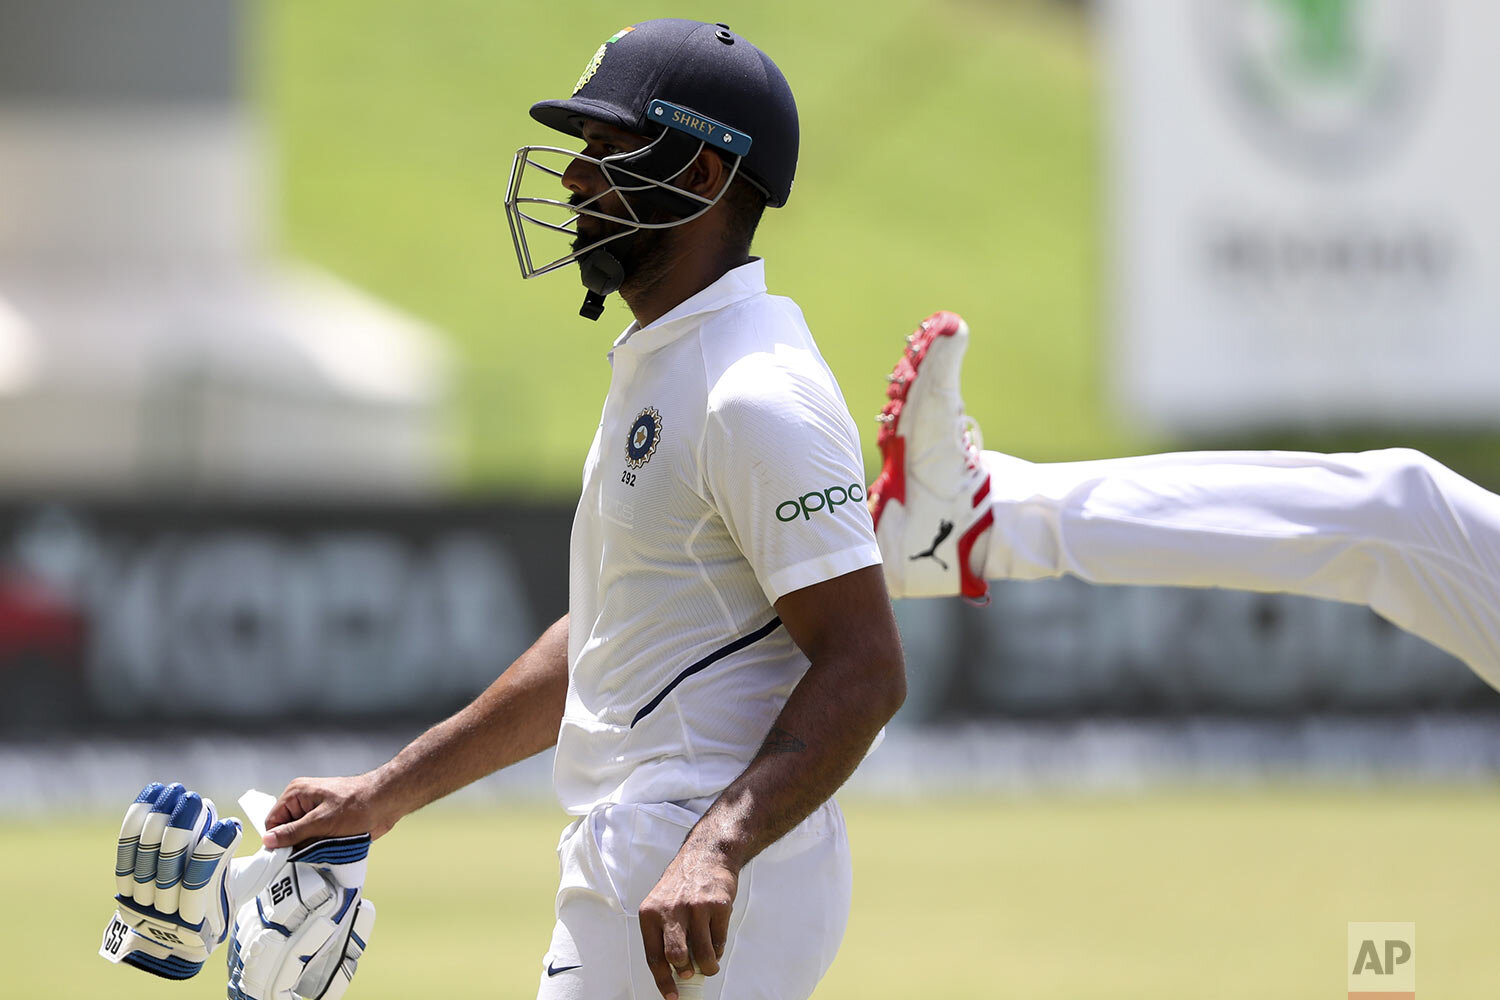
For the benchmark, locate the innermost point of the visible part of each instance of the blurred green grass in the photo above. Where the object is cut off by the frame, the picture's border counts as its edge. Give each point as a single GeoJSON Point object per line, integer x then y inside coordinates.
{"type": "Point", "coordinates": [1235, 895]}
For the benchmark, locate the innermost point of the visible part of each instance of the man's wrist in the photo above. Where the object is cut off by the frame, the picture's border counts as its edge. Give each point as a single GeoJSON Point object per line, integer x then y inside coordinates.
{"type": "Point", "coordinates": [711, 843]}
{"type": "Point", "coordinates": [388, 790]}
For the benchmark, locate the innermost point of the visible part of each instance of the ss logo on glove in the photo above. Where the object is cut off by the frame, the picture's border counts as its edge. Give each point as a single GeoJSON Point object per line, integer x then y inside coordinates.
{"type": "Point", "coordinates": [114, 936]}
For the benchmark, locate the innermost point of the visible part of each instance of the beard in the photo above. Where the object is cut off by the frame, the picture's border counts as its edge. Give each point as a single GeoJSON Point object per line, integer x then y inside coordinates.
{"type": "Point", "coordinates": [644, 254]}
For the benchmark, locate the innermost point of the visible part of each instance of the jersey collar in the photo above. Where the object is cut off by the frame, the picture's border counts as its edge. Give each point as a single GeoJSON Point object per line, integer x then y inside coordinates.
{"type": "Point", "coordinates": [735, 285]}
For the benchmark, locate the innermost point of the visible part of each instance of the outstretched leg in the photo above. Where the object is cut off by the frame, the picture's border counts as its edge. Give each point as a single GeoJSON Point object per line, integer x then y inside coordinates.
{"type": "Point", "coordinates": [1393, 530]}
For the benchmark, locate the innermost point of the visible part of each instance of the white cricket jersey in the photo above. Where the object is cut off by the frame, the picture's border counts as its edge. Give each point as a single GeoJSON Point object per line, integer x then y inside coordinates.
{"type": "Point", "coordinates": [726, 472]}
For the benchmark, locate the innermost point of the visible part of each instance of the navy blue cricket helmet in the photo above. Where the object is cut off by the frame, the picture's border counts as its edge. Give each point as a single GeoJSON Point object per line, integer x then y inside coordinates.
{"type": "Point", "coordinates": [704, 69]}
{"type": "Point", "coordinates": [687, 86]}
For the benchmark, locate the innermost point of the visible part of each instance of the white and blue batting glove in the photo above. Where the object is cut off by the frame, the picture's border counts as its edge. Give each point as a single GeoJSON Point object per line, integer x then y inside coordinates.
{"type": "Point", "coordinates": [302, 935]}
{"type": "Point", "coordinates": [176, 881]}
{"type": "Point", "coordinates": [296, 919]}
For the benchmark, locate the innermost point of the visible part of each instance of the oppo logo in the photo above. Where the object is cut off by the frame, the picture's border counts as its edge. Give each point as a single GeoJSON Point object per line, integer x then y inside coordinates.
{"type": "Point", "coordinates": [809, 504]}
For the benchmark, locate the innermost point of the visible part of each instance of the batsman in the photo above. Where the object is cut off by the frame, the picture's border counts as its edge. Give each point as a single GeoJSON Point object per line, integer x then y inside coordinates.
{"type": "Point", "coordinates": [724, 663]}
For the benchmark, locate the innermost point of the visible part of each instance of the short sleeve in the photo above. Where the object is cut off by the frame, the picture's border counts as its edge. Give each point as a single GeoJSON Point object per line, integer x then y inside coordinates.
{"type": "Point", "coordinates": [783, 465]}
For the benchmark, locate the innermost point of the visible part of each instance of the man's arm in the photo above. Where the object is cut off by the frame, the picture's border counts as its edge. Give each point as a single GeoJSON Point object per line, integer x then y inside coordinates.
{"type": "Point", "coordinates": [854, 684]}
{"type": "Point", "coordinates": [515, 717]}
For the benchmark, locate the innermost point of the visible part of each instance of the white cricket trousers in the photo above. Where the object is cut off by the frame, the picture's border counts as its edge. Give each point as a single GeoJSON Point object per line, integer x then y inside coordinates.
{"type": "Point", "coordinates": [1393, 530]}
{"type": "Point", "coordinates": [789, 913]}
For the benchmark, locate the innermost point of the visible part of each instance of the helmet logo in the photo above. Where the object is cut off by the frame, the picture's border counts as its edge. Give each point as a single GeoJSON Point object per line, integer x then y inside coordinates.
{"type": "Point", "coordinates": [593, 66]}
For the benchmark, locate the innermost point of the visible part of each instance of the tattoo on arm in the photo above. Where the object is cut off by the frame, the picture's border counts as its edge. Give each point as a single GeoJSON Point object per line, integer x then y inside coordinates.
{"type": "Point", "coordinates": [780, 741]}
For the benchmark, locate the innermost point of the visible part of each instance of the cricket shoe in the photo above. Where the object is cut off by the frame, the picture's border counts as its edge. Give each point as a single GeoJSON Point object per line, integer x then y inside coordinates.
{"type": "Point", "coordinates": [931, 501]}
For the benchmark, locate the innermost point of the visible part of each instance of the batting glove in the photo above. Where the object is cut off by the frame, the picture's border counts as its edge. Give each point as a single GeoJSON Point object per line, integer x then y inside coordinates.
{"type": "Point", "coordinates": [176, 881]}
{"type": "Point", "coordinates": [301, 937]}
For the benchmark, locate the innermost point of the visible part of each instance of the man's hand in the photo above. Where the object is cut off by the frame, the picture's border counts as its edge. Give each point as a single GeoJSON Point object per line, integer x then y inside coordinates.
{"type": "Point", "coordinates": [310, 808]}
{"type": "Point", "coordinates": [685, 919]}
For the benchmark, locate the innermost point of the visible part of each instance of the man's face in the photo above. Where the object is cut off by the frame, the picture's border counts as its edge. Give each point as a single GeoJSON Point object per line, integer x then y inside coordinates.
{"type": "Point", "coordinates": [585, 180]}
{"type": "Point", "coordinates": [643, 254]}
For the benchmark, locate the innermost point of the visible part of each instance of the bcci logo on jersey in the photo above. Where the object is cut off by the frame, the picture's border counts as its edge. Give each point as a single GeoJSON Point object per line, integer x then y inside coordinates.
{"type": "Point", "coordinates": [1326, 83]}
{"type": "Point", "coordinates": [645, 434]}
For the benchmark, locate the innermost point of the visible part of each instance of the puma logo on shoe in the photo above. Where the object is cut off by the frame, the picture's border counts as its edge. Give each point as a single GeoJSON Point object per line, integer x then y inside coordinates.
{"type": "Point", "coordinates": [945, 528]}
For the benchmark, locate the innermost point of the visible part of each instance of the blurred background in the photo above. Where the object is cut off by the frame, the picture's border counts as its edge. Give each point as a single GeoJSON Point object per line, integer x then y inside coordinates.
{"type": "Point", "coordinates": [288, 455]}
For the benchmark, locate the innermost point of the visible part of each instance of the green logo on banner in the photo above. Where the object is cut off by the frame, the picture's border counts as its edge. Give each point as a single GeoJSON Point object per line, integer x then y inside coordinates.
{"type": "Point", "coordinates": [1327, 84]}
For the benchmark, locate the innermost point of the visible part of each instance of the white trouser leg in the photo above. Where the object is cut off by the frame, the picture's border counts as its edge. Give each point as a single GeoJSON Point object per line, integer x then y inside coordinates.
{"type": "Point", "coordinates": [1394, 530]}
{"type": "Point", "coordinates": [786, 925]}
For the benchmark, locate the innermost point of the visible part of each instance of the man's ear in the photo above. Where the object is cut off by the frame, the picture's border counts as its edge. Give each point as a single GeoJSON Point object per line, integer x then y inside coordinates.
{"type": "Point", "coordinates": [707, 175]}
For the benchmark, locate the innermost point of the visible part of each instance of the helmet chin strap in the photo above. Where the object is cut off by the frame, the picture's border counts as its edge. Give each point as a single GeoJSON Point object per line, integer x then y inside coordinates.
{"type": "Point", "coordinates": [602, 274]}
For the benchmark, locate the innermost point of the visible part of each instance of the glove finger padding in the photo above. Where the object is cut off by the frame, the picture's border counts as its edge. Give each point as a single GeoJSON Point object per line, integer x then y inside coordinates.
{"type": "Point", "coordinates": [169, 859]}
{"type": "Point", "coordinates": [130, 837]}
{"type": "Point", "coordinates": [302, 935]}
{"type": "Point", "coordinates": [334, 967]}
{"type": "Point", "coordinates": [178, 881]}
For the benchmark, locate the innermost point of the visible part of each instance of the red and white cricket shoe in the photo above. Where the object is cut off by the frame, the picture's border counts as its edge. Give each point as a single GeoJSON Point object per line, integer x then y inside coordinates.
{"type": "Point", "coordinates": [931, 501]}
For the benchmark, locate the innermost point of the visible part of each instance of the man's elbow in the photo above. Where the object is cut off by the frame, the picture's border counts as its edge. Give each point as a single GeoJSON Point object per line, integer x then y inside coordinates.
{"type": "Point", "coordinates": [891, 683]}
